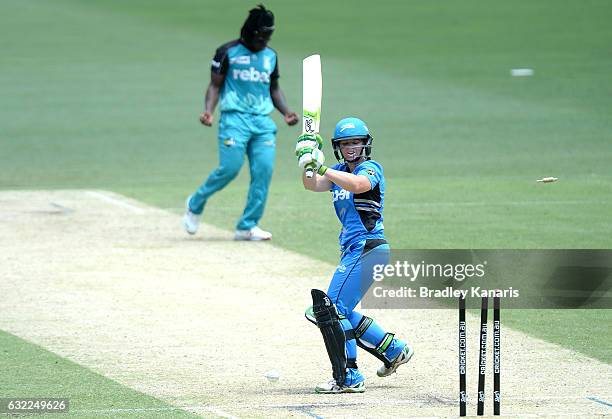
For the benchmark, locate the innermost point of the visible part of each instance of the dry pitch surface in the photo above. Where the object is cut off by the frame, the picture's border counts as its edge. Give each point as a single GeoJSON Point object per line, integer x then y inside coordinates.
{"type": "Point", "coordinates": [118, 287]}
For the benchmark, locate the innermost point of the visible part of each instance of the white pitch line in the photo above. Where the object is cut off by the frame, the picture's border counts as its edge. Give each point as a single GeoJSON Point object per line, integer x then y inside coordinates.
{"type": "Point", "coordinates": [219, 412]}
{"type": "Point", "coordinates": [116, 202]}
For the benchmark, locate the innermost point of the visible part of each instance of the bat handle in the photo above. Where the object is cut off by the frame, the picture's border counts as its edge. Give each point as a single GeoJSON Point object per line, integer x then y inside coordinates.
{"type": "Point", "coordinates": [309, 173]}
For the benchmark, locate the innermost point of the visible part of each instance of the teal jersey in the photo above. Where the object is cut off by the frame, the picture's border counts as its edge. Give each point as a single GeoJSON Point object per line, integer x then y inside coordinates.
{"type": "Point", "coordinates": [248, 76]}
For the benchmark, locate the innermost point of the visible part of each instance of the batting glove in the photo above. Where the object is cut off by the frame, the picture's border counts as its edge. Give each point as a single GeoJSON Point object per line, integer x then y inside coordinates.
{"type": "Point", "coordinates": [306, 143]}
{"type": "Point", "coordinates": [313, 161]}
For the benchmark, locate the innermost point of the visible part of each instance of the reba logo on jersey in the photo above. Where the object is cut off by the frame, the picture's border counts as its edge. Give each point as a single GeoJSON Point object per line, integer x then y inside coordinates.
{"type": "Point", "coordinates": [340, 194]}
{"type": "Point", "coordinates": [251, 75]}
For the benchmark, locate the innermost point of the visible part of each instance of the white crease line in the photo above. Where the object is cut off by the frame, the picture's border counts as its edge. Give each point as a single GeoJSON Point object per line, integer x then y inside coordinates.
{"type": "Point", "coordinates": [116, 202]}
{"type": "Point", "coordinates": [218, 412]}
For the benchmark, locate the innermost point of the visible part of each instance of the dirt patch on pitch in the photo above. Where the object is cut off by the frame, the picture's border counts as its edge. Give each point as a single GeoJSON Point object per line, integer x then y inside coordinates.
{"type": "Point", "coordinates": [118, 287]}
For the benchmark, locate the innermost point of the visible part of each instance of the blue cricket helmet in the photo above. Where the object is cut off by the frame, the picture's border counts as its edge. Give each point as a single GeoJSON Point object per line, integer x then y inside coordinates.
{"type": "Point", "coordinates": [350, 128]}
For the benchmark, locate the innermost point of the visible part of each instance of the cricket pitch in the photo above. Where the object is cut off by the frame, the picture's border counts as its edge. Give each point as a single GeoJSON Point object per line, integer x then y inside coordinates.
{"type": "Point", "coordinates": [118, 287]}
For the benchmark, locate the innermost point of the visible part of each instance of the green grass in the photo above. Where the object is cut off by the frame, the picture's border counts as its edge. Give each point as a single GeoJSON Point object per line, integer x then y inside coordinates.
{"type": "Point", "coordinates": [580, 330]}
{"type": "Point", "coordinates": [106, 94]}
{"type": "Point", "coordinates": [29, 371]}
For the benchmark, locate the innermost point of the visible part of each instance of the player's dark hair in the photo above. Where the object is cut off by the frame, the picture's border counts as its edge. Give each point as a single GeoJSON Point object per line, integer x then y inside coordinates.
{"type": "Point", "coordinates": [259, 20]}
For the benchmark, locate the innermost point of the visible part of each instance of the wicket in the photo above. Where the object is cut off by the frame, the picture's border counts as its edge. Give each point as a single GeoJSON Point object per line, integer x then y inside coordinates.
{"type": "Point", "coordinates": [462, 358]}
{"type": "Point", "coordinates": [482, 357]}
{"type": "Point", "coordinates": [496, 356]}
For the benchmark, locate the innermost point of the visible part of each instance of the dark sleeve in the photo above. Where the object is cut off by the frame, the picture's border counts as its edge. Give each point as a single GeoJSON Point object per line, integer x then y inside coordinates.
{"type": "Point", "coordinates": [220, 62]}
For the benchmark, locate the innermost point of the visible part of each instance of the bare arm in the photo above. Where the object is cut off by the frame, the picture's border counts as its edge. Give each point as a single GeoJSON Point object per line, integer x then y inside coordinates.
{"type": "Point", "coordinates": [212, 98]}
{"type": "Point", "coordinates": [317, 183]}
{"type": "Point", "coordinates": [280, 103]}
{"type": "Point", "coordinates": [348, 181]}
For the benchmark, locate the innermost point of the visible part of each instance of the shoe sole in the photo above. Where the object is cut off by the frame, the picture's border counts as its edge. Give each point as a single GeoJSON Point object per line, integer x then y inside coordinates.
{"type": "Point", "coordinates": [359, 389]}
{"type": "Point", "coordinates": [395, 367]}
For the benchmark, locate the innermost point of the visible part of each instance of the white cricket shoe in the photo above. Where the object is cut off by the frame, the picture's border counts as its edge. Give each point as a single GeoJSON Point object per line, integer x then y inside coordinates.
{"type": "Point", "coordinates": [254, 234]}
{"type": "Point", "coordinates": [191, 221]}
{"type": "Point", "coordinates": [401, 359]}
{"type": "Point", "coordinates": [331, 387]}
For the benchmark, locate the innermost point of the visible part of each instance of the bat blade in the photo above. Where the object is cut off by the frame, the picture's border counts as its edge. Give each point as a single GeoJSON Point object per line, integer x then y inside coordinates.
{"type": "Point", "coordinates": [312, 92]}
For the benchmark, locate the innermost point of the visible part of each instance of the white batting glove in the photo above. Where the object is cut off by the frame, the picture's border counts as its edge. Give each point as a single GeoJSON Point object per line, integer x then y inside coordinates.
{"type": "Point", "coordinates": [306, 143]}
{"type": "Point", "coordinates": [313, 161]}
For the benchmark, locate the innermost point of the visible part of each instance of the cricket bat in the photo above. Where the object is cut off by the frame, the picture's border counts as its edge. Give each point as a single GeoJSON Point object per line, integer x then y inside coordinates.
{"type": "Point", "coordinates": [312, 91]}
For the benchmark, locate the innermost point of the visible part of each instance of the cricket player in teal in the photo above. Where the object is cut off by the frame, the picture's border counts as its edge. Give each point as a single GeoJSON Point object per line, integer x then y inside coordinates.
{"type": "Point", "coordinates": [244, 76]}
{"type": "Point", "coordinates": [357, 187]}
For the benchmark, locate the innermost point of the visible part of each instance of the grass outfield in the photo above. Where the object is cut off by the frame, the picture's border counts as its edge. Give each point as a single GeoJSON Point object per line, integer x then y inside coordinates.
{"type": "Point", "coordinates": [106, 94]}
{"type": "Point", "coordinates": [29, 371]}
